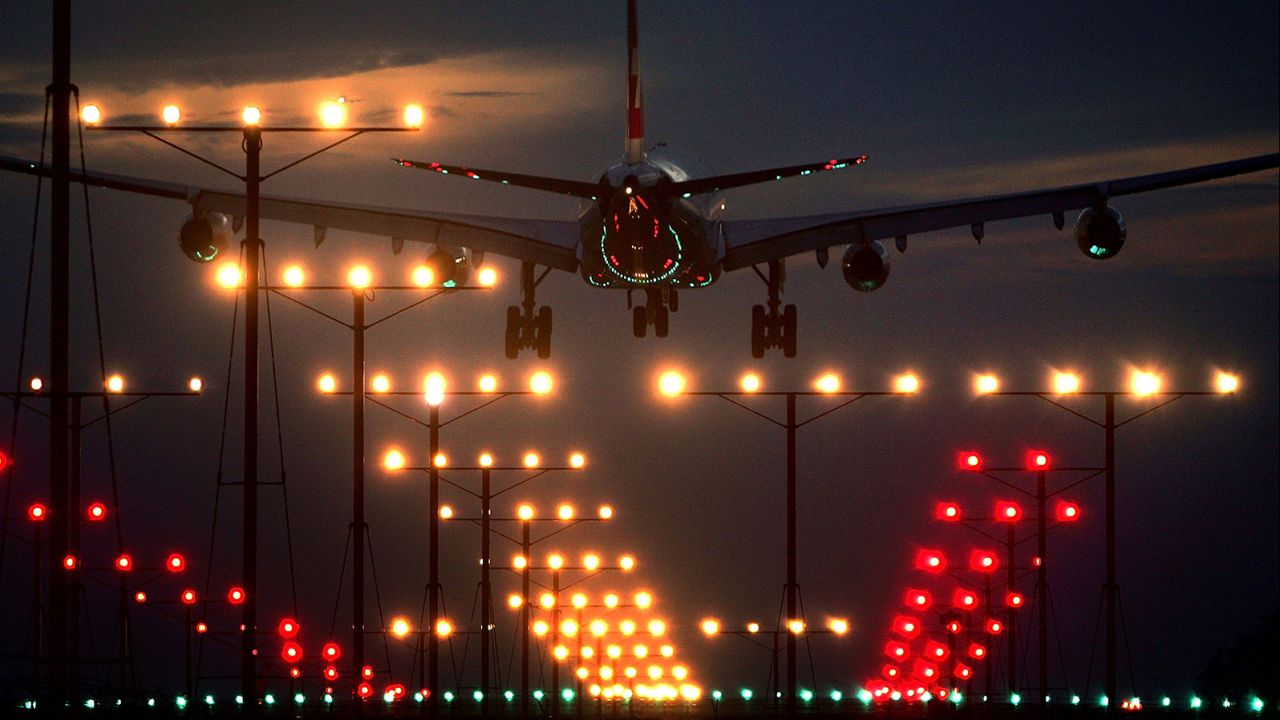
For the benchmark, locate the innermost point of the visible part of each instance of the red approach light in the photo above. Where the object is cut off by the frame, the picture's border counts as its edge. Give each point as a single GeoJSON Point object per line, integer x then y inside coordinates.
{"type": "Point", "coordinates": [235, 595]}
{"type": "Point", "coordinates": [365, 690]}
{"type": "Point", "coordinates": [954, 627]}
{"type": "Point", "coordinates": [891, 671]}
{"type": "Point", "coordinates": [983, 561]}
{"type": "Point", "coordinates": [291, 652]}
{"type": "Point", "coordinates": [965, 599]}
{"type": "Point", "coordinates": [70, 562]}
{"type": "Point", "coordinates": [931, 561]}
{"type": "Point", "coordinates": [1067, 511]}
{"type": "Point", "coordinates": [36, 512]}
{"type": "Point", "coordinates": [97, 512]}
{"type": "Point", "coordinates": [947, 512]}
{"type": "Point", "coordinates": [366, 672]}
{"type": "Point", "coordinates": [1014, 600]}
{"type": "Point", "coordinates": [188, 597]}
{"type": "Point", "coordinates": [287, 628]}
{"type": "Point", "coordinates": [202, 627]}
{"type": "Point", "coordinates": [977, 652]}
{"type": "Point", "coordinates": [124, 563]}
{"type": "Point", "coordinates": [964, 672]}
{"type": "Point", "coordinates": [395, 690]}
{"type": "Point", "coordinates": [969, 460]}
{"type": "Point", "coordinates": [926, 671]}
{"type": "Point", "coordinates": [935, 650]}
{"type": "Point", "coordinates": [140, 596]}
{"type": "Point", "coordinates": [295, 673]}
{"type": "Point", "coordinates": [330, 673]}
{"type": "Point", "coordinates": [906, 626]}
{"type": "Point", "coordinates": [994, 626]}
{"type": "Point", "coordinates": [4, 461]}
{"type": "Point", "coordinates": [896, 650]}
{"type": "Point", "coordinates": [918, 599]}
{"type": "Point", "coordinates": [175, 562]}
{"type": "Point", "coordinates": [1007, 511]}
{"type": "Point", "coordinates": [1037, 460]}
{"type": "Point", "coordinates": [331, 651]}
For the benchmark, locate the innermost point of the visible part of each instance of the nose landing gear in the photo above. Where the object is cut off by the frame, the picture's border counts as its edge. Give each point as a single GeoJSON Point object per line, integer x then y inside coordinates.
{"type": "Point", "coordinates": [659, 304]}
{"type": "Point", "coordinates": [529, 326]}
{"type": "Point", "coordinates": [770, 328]}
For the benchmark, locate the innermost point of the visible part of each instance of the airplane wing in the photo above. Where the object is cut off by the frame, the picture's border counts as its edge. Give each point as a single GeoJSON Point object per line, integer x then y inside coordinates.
{"type": "Point", "coordinates": [748, 242]}
{"type": "Point", "coordinates": [552, 243]}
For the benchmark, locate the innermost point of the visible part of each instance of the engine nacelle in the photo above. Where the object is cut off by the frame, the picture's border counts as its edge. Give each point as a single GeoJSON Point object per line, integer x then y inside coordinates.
{"type": "Point", "coordinates": [205, 237]}
{"type": "Point", "coordinates": [451, 267]}
{"type": "Point", "coordinates": [1100, 232]}
{"type": "Point", "coordinates": [865, 266]}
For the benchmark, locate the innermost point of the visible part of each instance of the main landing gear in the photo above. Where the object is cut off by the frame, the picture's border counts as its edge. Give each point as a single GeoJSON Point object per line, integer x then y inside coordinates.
{"type": "Point", "coordinates": [659, 304]}
{"type": "Point", "coordinates": [769, 328]}
{"type": "Point", "coordinates": [525, 327]}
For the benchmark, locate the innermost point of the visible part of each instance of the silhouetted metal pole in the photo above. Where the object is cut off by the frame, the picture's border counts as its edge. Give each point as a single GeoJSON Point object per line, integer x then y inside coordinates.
{"type": "Point", "coordinates": [1109, 425]}
{"type": "Point", "coordinates": [37, 606]}
{"type": "Point", "coordinates": [525, 545]}
{"type": "Point", "coordinates": [486, 597]}
{"type": "Point", "coordinates": [1010, 626]}
{"type": "Point", "coordinates": [989, 667]}
{"type": "Point", "coordinates": [252, 246]}
{"type": "Point", "coordinates": [74, 521]}
{"type": "Point", "coordinates": [1042, 587]}
{"type": "Point", "coordinates": [357, 495]}
{"type": "Point", "coordinates": [555, 642]}
{"type": "Point", "coordinates": [433, 571]}
{"type": "Point", "coordinates": [59, 349]}
{"type": "Point", "coordinates": [792, 588]}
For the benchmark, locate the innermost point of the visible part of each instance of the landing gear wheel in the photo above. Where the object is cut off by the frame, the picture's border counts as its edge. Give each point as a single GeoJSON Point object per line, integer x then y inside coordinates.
{"type": "Point", "coordinates": [660, 321]}
{"type": "Point", "coordinates": [542, 332]}
{"type": "Point", "coordinates": [757, 331]}
{"type": "Point", "coordinates": [639, 323]}
{"type": "Point", "coordinates": [514, 322]}
{"type": "Point", "coordinates": [789, 322]}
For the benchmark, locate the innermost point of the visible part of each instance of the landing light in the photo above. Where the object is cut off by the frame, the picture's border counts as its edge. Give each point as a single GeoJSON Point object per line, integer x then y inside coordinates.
{"type": "Point", "coordinates": [1065, 383]}
{"type": "Point", "coordinates": [91, 114]}
{"type": "Point", "coordinates": [828, 383]}
{"type": "Point", "coordinates": [171, 115]}
{"type": "Point", "coordinates": [251, 115]}
{"type": "Point", "coordinates": [671, 383]}
{"type": "Point", "coordinates": [413, 116]}
{"type": "Point", "coordinates": [333, 114]}
{"type": "Point", "coordinates": [986, 384]}
{"type": "Point", "coordinates": [1144, 383]}
{"type": "Point", "coordinates": [1226, 383]}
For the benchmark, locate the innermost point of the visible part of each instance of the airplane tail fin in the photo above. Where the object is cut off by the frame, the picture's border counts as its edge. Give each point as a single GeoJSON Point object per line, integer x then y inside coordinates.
{"type": "Point", "coordinates": [635, 94]}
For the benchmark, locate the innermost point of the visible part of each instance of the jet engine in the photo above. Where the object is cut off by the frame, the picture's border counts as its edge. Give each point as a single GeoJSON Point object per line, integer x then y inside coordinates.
{"type": "Point", "coordinates": [866, 266]}
{"type": "Point", "coordinates": [451, 267]}
{"type": "Point", "coordinates": [205, 237]}
{"type": "Point", "coordinates": [1100, 232]}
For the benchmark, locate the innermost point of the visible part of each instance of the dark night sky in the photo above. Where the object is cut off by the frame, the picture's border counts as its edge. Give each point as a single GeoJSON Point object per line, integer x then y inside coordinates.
{"type": "Point", "coordinates": [949, 101]}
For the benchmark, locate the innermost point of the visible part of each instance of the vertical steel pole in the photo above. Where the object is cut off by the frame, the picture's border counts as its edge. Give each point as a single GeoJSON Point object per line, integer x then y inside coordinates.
{"type": "Point", "coordinates": [988, 665]}
{"type": "Point", "coordinates": [577, 692]}
{"type": "Point", "coordinates": [123, 677]}
{"type": "Point", "coordinates": [525, 545]}
{"type": "Point", "coordinates": [59, 348]}
{"type": "Point", "coordinates": [37, 609]}
{"type": "Point", "coordinates": [357, 495]}
{"type": "Point", "coordinates": [1109, 424]}
{"type": "Point", "coordinates": [74, 521]}
{"type": "Point", "coordinates": [486, 598]}
{"type": "Point", "coordinates": [190, 680]}
{"type": "Point", "coordinates": [252, 248]}
{"type": "Point", "coordinates": [1042, 587]}
{"type": "Point", "coordinates": [555, 641]}
{"type": "Point", "coordinates": [433, 589]}
{"type": "Point", "coordinates": [792, 588]}
{"type": "Point", "coordinates": [1010, 622]}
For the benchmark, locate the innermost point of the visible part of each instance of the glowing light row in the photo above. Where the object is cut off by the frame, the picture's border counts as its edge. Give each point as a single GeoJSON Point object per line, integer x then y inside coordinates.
{"type": "Point", "coordinates": [435, 386]}
{"type": "Point", "coordinates": [673, 383]}
{"type": "Point", "coordinates": [590, 561]}
{"type": "Point", "coordinates": [114, 384]}
{"type": "Point", "coordinates": [231, 275]}
{"type": "Point", "coordinates": [711, 626]}
{"type": "Point", "coordinates": [333, 114]}
{"type": "Point", "coordinates": [395, 459]}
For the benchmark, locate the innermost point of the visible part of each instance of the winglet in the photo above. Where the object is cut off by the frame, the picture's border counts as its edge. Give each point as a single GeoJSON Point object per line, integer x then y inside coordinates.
{"type": "Point", "coordinates": [635, 93]}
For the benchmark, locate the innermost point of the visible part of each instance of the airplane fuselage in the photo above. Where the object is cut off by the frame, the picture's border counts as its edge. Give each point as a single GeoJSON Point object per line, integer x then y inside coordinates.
{"type": "Point", "coordinates": [636, 235]}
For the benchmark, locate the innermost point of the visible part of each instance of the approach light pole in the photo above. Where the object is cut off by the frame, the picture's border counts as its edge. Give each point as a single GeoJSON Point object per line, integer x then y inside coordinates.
{"type": "Point", "coordinates": [435, 392]}
{"type": "Point", "coordinates": [360, 286]}
{"type": "Point", "coordinates": [711, 627]}
{"type": "Point", "coordinates": [251, 133]}
{"type": "Point", "coordinates": [1143, 384]}
{"type": "Point", "coordinates": [1039, 463]}
{"type": "Point", "coordinates": [534, 469]}
{"type": "Point", "coordinates": [673, 384]}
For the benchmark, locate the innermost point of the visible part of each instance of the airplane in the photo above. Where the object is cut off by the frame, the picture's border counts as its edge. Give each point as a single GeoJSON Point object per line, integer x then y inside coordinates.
{"type": "Point", "coordinates": [650, 225]}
